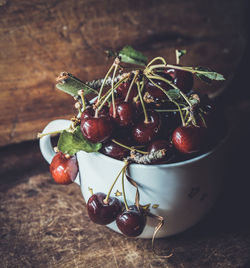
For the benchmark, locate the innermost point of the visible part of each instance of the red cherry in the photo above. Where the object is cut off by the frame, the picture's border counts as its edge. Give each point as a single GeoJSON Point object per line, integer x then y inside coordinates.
{"type": "Point", "coordinates": [124, 113]}
{"type": "Point", "coordinates": [156, 93]}
{"type": "Point", "coordinates": [64, 170]}
{"type": "Point", "coordinates": [159, 145]}
{"type": "Point", "coordinates": [182, 79]}
{"type": "Point", "coordinates": [131, 222]}
{"type": "Point", "coordinates": [189, 139]}
{"type": "Point", "coordinates": [145, 132]}
{"type": "Point", "coordinates": [90, 112]}
{"type": "Point", "coordinates": [100, 212]}
{"type": "Point", "coordinates": [122, 91]}
{"type": "Point", "coordinates": [114, 150]}
{"type": "Point", "coordinates": [97, 129]}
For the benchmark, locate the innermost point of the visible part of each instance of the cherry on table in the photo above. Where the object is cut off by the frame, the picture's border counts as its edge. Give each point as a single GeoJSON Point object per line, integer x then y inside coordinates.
{"type": "Point", "coordinates": [64, 169]}
{"type": "Point", "coordinates": [131, 222]}
{"type": "Point", "coordinates": [103, 213]}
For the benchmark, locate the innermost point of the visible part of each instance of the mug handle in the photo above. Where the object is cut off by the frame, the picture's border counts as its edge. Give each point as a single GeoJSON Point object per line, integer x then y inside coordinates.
{"type": "Point", "coordinates": [45, 142]}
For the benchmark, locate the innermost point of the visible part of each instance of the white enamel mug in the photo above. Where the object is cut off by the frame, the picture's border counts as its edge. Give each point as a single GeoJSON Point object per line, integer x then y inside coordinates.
{"type": "Point", "coordinates": [181, 192]}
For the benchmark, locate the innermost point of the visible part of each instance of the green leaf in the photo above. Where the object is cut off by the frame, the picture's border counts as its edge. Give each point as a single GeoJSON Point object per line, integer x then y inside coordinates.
{"type": "Point", "coordinates": [207, 75]}
{"type": "Point", "coordinates": [73, 142]}
{"type": "Point", "coordinates": [174, 93]}
{"type": "Point", "coordinates": [71, 85]}
{"type": "Point", "coordinates": [130, 55]}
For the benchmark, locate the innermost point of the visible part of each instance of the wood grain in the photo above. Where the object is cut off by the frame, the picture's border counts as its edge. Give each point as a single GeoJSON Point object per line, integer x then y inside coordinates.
{"type": "Point", "coordinates": [39, 39]}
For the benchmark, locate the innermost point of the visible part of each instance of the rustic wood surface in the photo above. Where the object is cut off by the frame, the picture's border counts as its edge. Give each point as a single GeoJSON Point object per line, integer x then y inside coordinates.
{"type": "Point", "coordinates": [39, 39]}
{"type": "Point", "coordinates": [43, 224]}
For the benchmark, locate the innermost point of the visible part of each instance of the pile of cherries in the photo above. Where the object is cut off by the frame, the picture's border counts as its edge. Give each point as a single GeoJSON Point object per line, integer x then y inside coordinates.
{"type": "Point", "coordinates": [138, 113]}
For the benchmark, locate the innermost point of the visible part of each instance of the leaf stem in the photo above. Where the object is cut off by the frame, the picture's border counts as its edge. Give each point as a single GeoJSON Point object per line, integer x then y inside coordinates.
{"type": "Point", "coordinates": [40, 135]}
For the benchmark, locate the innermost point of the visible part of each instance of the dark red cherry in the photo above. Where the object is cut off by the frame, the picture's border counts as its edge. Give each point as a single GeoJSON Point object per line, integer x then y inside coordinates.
{"type": "Point", "coordinates": [143, 132]}
{"type": "Point", "coordinates": [100, 212]}
{"type": "Point", "coordinates": [122, 91]}
{"type": "Point", "coordinates": [124, 113]}
{"type": "Point", "coordinates": [114, 150]}
{"type": "Point", "coordinates": [182, 79]}
{"type": "Point", "coordinates": [156, 93]}
{"type": "Point", "coordinates": [159, 145]}
{"type": "Point", "coordinates": [90, 112]}
{"type": "Point", "coordinates": [131, 222]}
{"type": "Point", "coordinates": [97, 129]}
{"type": "Point", "coordinates": [64, 170]}
{"type": "Point", "coordinates": [189, 139]}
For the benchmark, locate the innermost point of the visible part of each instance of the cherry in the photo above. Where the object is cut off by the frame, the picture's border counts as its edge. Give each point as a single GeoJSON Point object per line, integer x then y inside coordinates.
{"type": "Point", "coordinates": [131, 222]}
{"type": "Point", "coordinates": [122, 91]}
{"type": "Point", "coordinates": [182, 79]}
{"type": "Point", "coordinates": [101, 212]}
{"type": "Point", "coordinates": [124, 113]}
{"type": "Point", "coordinates": [145, 132]}
{"type": "Point", "coordinates": [97, 129]}
{"type": "Point", "coordinates": [189, 139]}
{"type": "Point", "coordinates": [156, 93]}
{"type": "Point", "coordinates": [64, 170]}
{"type": "Point", "coordinates": [89, 112]}
{"type": "Point", "coordinates": [114, 150]}
{"type": "Point", "coordinates": [159, 145]}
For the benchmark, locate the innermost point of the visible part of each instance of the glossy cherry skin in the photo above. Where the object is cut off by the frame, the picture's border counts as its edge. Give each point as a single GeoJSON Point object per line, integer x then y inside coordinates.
{"type": "Point", "coordinates": [144, 133]}
{"type": "Point", "coordinates": [101, 213]}
{"type": "Point", "coordinates": [97, 129]}
{"type": "Point", "coordinates": [182, 79]}
{"type": "Point", "coordinates": [124, 113]}
{"type": "Point", "coordinates": [155, 92]}
{"type": "Point", "coordinates": [132, 222]}
{"type": "Point", "coordinates": [89, 112]}
{"type": "Point", "coordinates": [114, 150]}
{"type": "Point", "coordinates": [159, 145]}
{"type": "Point", "coordinates": [122, 91]}
{"type": "Point", "coordinates": [64, 170]}
{"type": "Point", "coordinates": [189, 139]}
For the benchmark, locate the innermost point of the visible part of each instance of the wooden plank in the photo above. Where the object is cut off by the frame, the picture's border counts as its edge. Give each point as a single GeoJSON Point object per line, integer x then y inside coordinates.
{"type": "Point", "coordinates": [42, 38]}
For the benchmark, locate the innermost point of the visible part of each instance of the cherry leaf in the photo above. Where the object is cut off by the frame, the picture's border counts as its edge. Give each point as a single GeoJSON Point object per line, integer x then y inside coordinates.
{"type": "Point", "coordinates": [71, 85]}
{"type": "Point", "coordinates": [207, 75]}
{"type": "Point", "coordinates": [174, 93]}
{"type": "Point", "coordinates": [73, 142]}
{"type": "Point", "coordinates": [130, 55]}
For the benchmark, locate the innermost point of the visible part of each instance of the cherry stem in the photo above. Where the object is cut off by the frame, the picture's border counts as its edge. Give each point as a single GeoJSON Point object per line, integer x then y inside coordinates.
{"type": "Point", "coordinates": [177, 57]}
{"type": "Point", "coordinates": [105, 201]}
{"type": "Point", "coordinates": [171, 110]}
{"type": "Point", "coordinates": [104, 81]}
{"type": "Point", "coordinates": [155, 59]}
{"type": "Point", "coordinates": [40, 135]}
{"type": "Point", "coordinates": [112, 91]}
{"type": "Point", "coordinates": [109, 91]}
{"type": "Point", "coordinates": [127, 147]}
{"type": "Point", "coordinates": [131, 85]}
{"type": "Point", "coordinates": [123, 188]}
{"type": "Point", "coordinates": [142, 102]}
{"type": "Point", "coordinates": [80, 92]}
{"type": "Point", "coordinates": [169, 97]}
